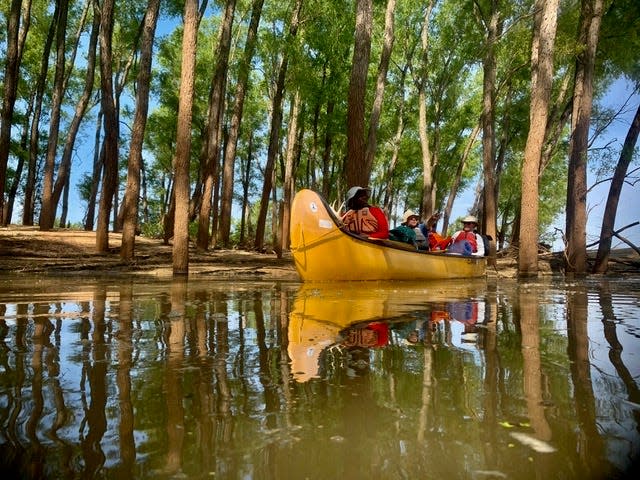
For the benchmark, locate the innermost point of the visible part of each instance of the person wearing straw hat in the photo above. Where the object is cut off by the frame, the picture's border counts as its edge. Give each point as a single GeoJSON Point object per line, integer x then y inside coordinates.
{"type": "Point", "coordinates": [467, 241]}
{"type": "Point", "coordinates": [408, 229]}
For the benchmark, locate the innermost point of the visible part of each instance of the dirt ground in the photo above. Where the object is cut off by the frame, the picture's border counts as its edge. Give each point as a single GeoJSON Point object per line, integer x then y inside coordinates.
{"type": "Point", "coordinates": [28, 250]}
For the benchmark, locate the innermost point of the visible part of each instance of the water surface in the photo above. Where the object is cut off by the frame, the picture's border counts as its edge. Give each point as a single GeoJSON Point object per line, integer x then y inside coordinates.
{"type": "Point", "coordinates": [210, 379]}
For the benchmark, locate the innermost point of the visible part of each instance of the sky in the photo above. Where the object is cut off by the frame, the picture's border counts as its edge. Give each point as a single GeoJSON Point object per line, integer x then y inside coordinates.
{"type": "Point", "coordinates": [628, 209]}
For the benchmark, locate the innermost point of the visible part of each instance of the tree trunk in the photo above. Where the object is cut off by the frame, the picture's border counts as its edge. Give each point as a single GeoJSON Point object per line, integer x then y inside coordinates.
{"type": "Point", "coordinates": [224, 228]}
{"type": "Point", "coordinates": [274, 134]}
{"type": "Point", "coordinates": [427, 170]}
{"type": "Point", "coordinates": [355, 168]}
{"type": "Point", "coordinates": [289, 173]}
{"type": "Point", "coordinates": [216, 109]}
{"type": "Point", "coordinates": [544, 33]}
{"type": "Point", "coordinates": [376, 109]}
{"type": "Point", "coordinates": [111, 130]}
{"type": "Point", "coordinates": [96, 172]}
{"type": "Point", "coordinates": [183, 140]}
{"type": "Point", "coordinates": [9, 92]}
{"type": "Point", "coordinates": [65, 164]}
{"type": "Point", "coordinates": [132, 192]}
{"type": "Point", "coordinates": [48, 208]}
{"type": "Point", "coordinates": [576, 212]}
{"type": "Point", "coordinates": [490, 201]}
{"type": "Point", "coordinates": [611, 208]}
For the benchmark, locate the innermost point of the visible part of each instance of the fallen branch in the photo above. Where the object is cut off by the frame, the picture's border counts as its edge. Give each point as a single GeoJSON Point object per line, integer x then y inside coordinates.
{"type": "Point", "coordinates": [615, 234]}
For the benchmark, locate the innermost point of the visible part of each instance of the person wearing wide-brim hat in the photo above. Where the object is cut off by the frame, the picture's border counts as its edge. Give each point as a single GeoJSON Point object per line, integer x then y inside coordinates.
{"type": "Point", "coordinates": [408, 229]}
{"type": "Point", "coordinates": [467, 241]}
{"type": "Point", "coordinates": [363, 219]}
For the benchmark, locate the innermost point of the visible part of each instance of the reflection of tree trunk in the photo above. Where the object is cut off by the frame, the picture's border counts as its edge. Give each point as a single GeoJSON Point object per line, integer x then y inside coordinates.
{"type": "Point", "coordinates": [123, 381]}
{"type": "Point", "coordinates": [173, 377]}
{"type": "Point", "coordinates": [270, 392]}
{"type": "Point", "coordinates": [427, 385]}
{"type": "Point", "coordinates": [35, 416]}
{"type": "Point", "coordinates": [531, 363]}
{"type": "Point", "coordinates": [206, 413]}
{"type": "Point", "coordinates": [492, 373]}
{"type": "Point", "coordinates": [589, 444]}
{"type": "Point", "coordinates": [62, 413]}
{"type": "Point", "coordinates": [96, 371]}
{"type": "Point", "coordinates": [223, 389]}
{"type": "Point", "coordinates": [615, 352]}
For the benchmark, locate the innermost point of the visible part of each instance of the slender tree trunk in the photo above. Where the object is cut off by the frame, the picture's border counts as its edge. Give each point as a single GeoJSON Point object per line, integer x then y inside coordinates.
{"type": "Point", "coordinates": [427, 169]}
{"type": "Point", "coordinates": [111, 130]}
{"type": "Point", "coordinates": [355, 168]}
{"type": "Point", "coordinates": [65, 164]}
{"type": "Point", "coordinates": [48, 209]}
{"type": "Point", "coordinates": [576, 212]}
{"type": "Point", "coordinates": [246, 177]}
{"type": "Point", "coordinates": [132, 193]}
{"type": "Point", "coordinates": [457, 179]}
{"type": "Point", "coordinates": [387, 47]}
{"type": "Point", "coordinates": [226, 202]}
{"type": "Point", "coordinates": [289, 172]}
{"type": "Point", "coordinates": [274, 134]}
{"type": "Point", "coordinates": [9, 92]}
{"type": "Point", "coordinates": [96, 173]}
{"type": "Point", "coordinates": [216, 109]}
{"type": "Point", "coordinates": [544, 33]}
{"type": "Point", "coordinates": [183, 139]}
{"type": "Point", "coordinates": [488, 128]}
{"type": "Point", "coordinates": [16, 181]}
{"type": "Point", "coordinates": [611, 208]}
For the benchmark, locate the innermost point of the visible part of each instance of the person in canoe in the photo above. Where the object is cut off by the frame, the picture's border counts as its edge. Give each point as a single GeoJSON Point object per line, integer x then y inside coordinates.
{"type": "Point", "coordinates": [363, 219]}
{"type": "Point", "coordinates": [436, 242]}
{"type": "Point", "coordinates": [408, 230]}
{"type": "Point", "coordinates": [467, 241]}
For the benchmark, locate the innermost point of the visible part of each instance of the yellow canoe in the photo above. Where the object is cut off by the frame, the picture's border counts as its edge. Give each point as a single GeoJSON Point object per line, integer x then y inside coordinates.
{"type": "Point", "coordinates": [323, 252]}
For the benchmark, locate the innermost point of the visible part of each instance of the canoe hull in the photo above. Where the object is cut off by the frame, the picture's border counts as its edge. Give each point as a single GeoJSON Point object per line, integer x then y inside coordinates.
{"type": "Point", "coordinates": [323, 252]}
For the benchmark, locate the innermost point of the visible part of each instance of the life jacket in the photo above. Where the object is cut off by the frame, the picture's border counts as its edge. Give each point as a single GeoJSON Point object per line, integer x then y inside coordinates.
{"type": "Point", "coordinates": [360, 221]}
{"type": "Point", "coordinates": [470, 237]}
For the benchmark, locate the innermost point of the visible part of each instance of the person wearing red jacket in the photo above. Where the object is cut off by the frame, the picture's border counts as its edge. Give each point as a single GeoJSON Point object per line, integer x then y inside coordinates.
{"type": "Point", "coordinates": [363, 219]}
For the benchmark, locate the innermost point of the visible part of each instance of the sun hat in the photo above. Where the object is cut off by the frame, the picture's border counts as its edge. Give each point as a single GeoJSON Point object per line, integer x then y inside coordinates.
{"type": "Point", "coordinates": [408, 214]}
{"type": "Point", "coordinates": [353, 191]}
{"type": "Point", "coordinates": [470, 219]}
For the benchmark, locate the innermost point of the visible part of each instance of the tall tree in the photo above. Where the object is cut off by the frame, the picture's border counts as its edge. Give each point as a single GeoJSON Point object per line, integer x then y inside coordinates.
{"type": "Point", "coordinates": [132, 192]}
{"type": "Point", "coordinates": [183, 139]}
{"type": "Point", "coordinates": [544, 33]}
{"type": "Point", "coordinates": [48, 210]}
{"type": "Point", "coordinates": [576, 213]}
{"type": "Point", "coordinates": [216, 109]}
{"type": "Point", "coordinates": [9, 92]}
{"type": "Point", "coordinates": [611, 208]}
{"type": "Point", "coordinates": [376, 110]}
{"type": "Point", "coordinates": [274, 132]}
{"type": "Point", "coordinates": [110, 122]}
{"type": "Point", "coordinates": [427, 170]}
{"type": "Point", "coordinates": [226, 199]}
{"type": "Point", "coordinates": [355, 169]}
{"type": "Point", "coordinates": [492, 25]}
{"type": "Point", "coordinates": [64, 170]}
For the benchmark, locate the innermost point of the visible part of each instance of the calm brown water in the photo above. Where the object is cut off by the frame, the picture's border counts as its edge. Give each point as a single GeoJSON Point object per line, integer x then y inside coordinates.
{"type": "Point", "coordinates": [256, 380]}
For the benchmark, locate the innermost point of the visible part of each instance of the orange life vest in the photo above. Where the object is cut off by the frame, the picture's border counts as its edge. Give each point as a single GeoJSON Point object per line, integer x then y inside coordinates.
{"type": "Point", "coordinates": [360, 221]}
{"type": "Point", "coordinates": [469, 237]}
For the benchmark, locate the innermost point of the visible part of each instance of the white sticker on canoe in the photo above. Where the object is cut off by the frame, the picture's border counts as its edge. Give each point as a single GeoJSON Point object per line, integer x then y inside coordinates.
{"type": "Point", "coordinates": [313, 207]}
{"type": "Point", "coordinates": [324, 223]}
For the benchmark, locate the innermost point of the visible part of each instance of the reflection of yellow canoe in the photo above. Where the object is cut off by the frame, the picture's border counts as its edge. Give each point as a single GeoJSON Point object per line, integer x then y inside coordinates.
{"type": "Point", "coordinates": [322, 310]}
{"type": "Point", "coordinates": [321, 251]}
